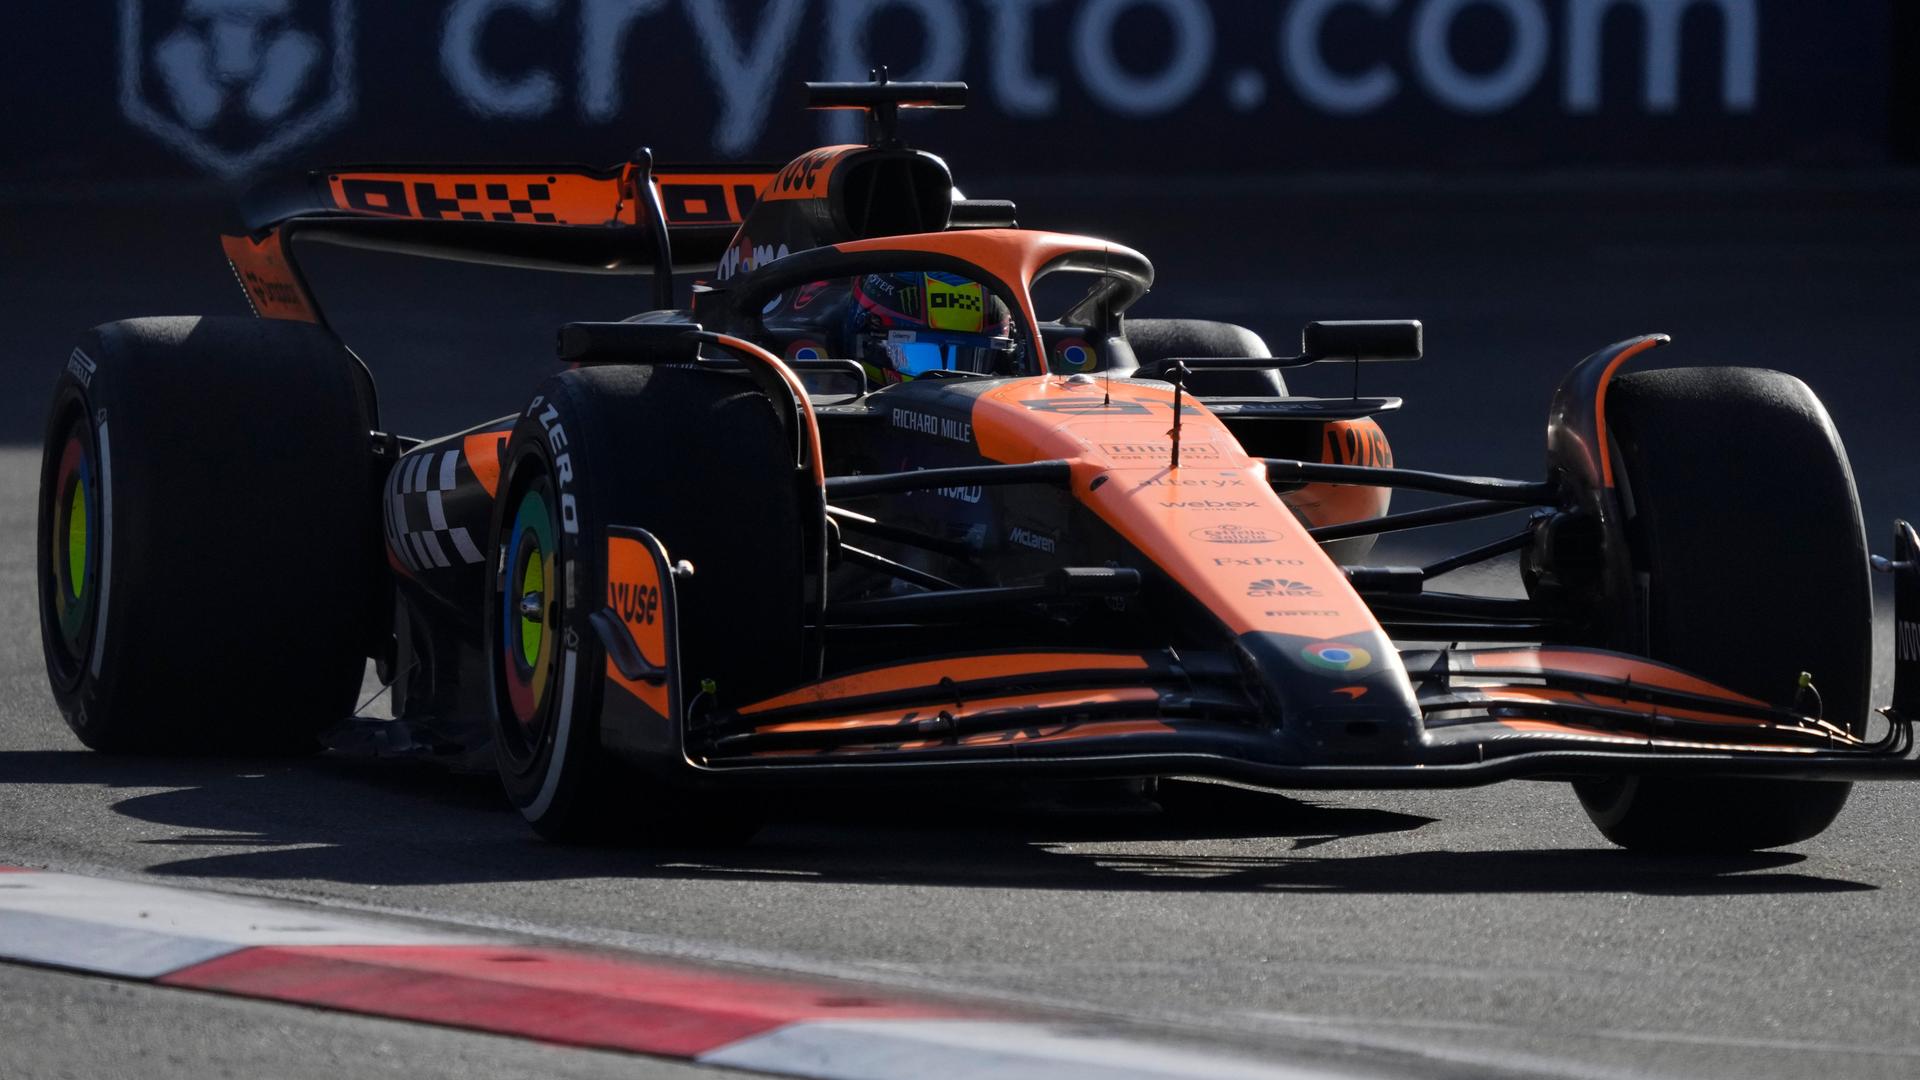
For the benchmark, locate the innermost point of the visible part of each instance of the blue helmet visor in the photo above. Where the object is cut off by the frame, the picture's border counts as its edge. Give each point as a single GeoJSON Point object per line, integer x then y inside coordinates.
{"type": "Point", "coordinates": [914, 353]}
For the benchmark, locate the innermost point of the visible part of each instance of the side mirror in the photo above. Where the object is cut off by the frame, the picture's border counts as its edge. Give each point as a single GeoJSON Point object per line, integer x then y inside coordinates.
{"type": "Point", "coordinates": [1370, 340]}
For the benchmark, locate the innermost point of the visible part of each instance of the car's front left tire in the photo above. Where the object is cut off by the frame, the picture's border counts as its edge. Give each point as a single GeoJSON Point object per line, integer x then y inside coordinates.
{"type": "Point", "coordinates": [697, 459]}
{"type": "Point", "coordinates": [1747, 539]}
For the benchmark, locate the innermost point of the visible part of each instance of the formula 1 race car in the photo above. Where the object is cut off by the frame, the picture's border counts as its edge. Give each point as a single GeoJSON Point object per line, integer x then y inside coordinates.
{"type": "Point", "coordinates": [862, 511]}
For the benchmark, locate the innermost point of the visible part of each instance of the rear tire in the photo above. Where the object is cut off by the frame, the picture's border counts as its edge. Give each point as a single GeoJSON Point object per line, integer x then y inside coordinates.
{"type": "Point", "coordinates": [698, 459]}
{"type": "Point", "coordinates": [207, 542]}
{"type": "Point", "coordinates": [1746, 526]}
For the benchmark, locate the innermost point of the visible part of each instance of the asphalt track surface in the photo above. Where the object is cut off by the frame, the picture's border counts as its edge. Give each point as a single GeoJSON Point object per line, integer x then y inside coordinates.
{"type": "Point", "coordinates": [1451, 933]}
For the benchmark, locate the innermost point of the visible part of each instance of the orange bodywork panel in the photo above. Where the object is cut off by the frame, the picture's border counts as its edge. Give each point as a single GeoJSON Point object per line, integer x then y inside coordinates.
{"type": "Point", "coordinates": [1071, 731]}
{"type": "Point", "coordinates": [1214, 524]}
{"type": "Point", "coordinates": [1009, 708]}
{"type": "Point", "coordinates": [930, 673]}
{"type": "Point", "coordinates": [544, 197]}
{"type": "Point", "coordinates": [699, 198]}
{"type": "Point", "coordinates": [483, 452]}
{"type": "Point", "coordinates": [633, 592]}
{"type": "Point", "coordinates": [809, 175]}
{"type": "Point", "coordinates": [1600, 404]}
{"type": "Point", "coordinates": [1535, 695]}
{"type": "Point", "coordinates": [272, 285]}
{"type": "Point", "coordinates": [1346, 442]}
{"type": "Point", "coordinates": [506, 196]}
{"type": "Point", "coordinates": [1602, 665]}
{"type": "Point", "coordinates": [1588, 734]}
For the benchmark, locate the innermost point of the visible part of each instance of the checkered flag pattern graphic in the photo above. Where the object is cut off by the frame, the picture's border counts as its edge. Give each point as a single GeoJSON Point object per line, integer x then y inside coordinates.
{"type": "Point", "coordinates": [416, 519]}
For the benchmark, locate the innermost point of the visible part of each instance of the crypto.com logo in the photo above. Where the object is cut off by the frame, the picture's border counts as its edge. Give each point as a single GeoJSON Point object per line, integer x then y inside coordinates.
{"type": "Point", "coordinates": [234, 84]}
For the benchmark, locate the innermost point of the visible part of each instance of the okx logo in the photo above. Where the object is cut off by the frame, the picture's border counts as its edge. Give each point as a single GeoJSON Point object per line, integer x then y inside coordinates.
{"type": "Point", "coordinates": [234, 84]}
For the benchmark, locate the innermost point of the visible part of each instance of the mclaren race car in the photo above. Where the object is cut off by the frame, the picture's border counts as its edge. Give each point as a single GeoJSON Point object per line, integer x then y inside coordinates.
{"type": "Point", "coordinates": [862, 510]}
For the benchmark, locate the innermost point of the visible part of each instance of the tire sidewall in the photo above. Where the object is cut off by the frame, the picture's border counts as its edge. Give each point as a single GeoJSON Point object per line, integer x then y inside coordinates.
{"type": "Point", "coordinates": [543, 444]}
{"type": "Point", "coordinates": [79, 393]}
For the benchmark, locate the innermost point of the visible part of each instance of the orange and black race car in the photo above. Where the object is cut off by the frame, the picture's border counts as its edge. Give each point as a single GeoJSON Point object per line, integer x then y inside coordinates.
{"type": "Point", "coordinates": [866, 510]}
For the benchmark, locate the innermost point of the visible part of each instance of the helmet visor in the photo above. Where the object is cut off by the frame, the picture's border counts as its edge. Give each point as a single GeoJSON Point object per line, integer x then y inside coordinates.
{"type": "Point", "coordinates": [911, 353]}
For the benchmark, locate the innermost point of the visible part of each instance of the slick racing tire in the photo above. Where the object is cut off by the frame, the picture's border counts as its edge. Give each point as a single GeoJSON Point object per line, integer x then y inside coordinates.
{"type": "Point", "coordinates": [1746, 529]}
{"type": "Point", "coordinates": [698, 459]}
{"type": "Point", "coordinates": [207, 542]}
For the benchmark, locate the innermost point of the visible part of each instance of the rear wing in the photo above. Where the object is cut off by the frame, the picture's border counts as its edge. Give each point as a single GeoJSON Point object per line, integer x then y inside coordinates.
{"type": "Point", "coordinates": [623, 219]}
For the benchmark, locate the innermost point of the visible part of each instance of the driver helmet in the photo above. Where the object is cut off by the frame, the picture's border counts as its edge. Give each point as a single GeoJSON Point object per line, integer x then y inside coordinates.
{"type": "Point", "coordinates": [903, 325]}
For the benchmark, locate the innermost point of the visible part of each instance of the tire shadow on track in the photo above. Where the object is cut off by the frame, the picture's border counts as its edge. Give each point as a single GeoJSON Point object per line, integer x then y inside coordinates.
{"type": "Point", "coordinates": [398, 824]}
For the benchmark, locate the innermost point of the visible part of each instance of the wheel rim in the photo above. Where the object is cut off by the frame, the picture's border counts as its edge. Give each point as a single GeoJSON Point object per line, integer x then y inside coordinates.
{"type": "Point", "coordinates": [527, 627]}
{"type": "Point", "coordinates": [73, 506]}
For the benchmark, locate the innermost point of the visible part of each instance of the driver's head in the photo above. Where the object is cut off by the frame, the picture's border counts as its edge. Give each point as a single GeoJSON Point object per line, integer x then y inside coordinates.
{"type": "Point", "coordinates": [903, 325]}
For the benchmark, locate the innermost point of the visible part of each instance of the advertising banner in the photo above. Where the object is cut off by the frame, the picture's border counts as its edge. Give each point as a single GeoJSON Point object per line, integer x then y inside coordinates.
{"type": "Point", "coordinates": [229, 89]}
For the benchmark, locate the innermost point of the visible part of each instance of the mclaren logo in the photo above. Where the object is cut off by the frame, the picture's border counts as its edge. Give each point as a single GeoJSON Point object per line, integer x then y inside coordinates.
{"type": "Point", "coordinates": [1027, 538]}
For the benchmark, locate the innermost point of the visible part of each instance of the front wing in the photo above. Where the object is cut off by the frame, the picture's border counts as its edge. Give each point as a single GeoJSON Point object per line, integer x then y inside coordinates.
{"type": "Point", "coordinates": [1484, 715]}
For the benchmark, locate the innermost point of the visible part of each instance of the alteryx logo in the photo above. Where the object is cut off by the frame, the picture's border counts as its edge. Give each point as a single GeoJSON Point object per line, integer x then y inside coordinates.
{"type": "Point", "coordinates": [234, 84]}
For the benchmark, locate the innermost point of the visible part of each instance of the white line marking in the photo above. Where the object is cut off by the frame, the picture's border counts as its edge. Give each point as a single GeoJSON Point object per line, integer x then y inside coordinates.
{"type": "Point", "coordinates": [463, 542]}
{"type": "Point", "coordinates": [446, 471]}
{"type": "Point", "coordinates": [50, 940]}
{"type": "Point", "coordinates": [144, 931]}
{"type": "Point", "coordinates": [421, 560]}
{"type": "Point", "coordinates": [977, 1050]}
{"type": "Point", "coordinates": [431, 542]}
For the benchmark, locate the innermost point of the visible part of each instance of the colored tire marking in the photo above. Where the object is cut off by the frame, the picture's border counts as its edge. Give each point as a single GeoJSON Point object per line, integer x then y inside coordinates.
{"type": "Point", "coordinates": [74, 492]}
{"type": "Point", "coordinates": [532, 582]}
{"type": "Point", "coordinates": [530, 563]}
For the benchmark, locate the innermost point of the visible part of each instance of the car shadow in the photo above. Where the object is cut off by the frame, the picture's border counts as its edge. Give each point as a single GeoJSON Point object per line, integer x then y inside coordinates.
{"type": "Point", "coordinates": [400, 823]}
